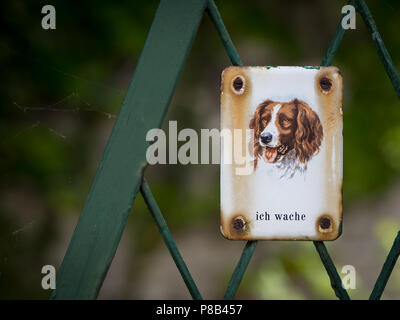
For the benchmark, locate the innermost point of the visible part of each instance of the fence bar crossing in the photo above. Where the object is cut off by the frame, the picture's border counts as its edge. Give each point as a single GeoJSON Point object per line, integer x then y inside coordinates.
{"type": "Point", "coordinates": [119, 175]}
{"type": "Point", "coordinates": [395, 80]}
{"type": "Point", "coordinates": [386, 269]}
{"type": "Point", "coordinates": [335, 280]}
{"type": "Point", "coordinates": [250, 246]}
{"type": "Point", "coordinates": [169, 241]}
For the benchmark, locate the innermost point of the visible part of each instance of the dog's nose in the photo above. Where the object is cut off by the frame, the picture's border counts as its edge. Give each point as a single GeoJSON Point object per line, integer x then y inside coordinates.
{"type": "Point", "coordinates": [266, 137]}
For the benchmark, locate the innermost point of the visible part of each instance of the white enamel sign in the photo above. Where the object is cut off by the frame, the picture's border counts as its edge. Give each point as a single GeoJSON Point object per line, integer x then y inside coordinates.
{"type": "Point", "coordinates": [281, 153]}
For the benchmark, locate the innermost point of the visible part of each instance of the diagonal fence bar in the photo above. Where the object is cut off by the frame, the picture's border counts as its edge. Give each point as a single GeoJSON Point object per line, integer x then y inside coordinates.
{"type": "Point", "coordinates": [336, 281]}
{"type": "Point", "coordinates": [118, 178]}
{"type": "Point", "coordinates": [395, 80]}
{"type": "Point", "coordinates": [250, 246]}
{"type": "Point", "coordinates": [240, 269]}
{"type": "Point", "coordinates": [335, 42]}
{"type": "Point", "coordinates": [334, 277]}
{"type": "Point", "coordinates": [379, 45]}
{"type": "Point", "coordinates": [393, 75]}
{"type": "Point", "coordinates": [223, 33]}
{"type": "Point", "coordinates": [169, 241]}
{"type": "Point", "coordinates": [386, 269]}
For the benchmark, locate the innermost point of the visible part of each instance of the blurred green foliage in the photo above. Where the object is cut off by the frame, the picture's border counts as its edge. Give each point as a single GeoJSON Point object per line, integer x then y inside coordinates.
{"type": "Point", "coordinates": [62, 89]}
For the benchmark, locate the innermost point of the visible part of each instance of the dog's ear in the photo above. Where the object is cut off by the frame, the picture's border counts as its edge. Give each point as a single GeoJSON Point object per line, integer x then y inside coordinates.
{"type": "Point", "coordinates": [256, 125]}
{"type": "Point", "coordinates": [256, 121]}
{"type": "Point", "coordinates": [309, 131]}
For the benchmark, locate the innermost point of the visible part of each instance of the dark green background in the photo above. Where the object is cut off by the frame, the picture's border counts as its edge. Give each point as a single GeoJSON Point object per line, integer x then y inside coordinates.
{"type": "Point", "coordinates": [62, 89]}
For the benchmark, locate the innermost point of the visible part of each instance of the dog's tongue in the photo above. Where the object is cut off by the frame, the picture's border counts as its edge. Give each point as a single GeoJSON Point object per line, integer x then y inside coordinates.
{"type": "Point", "coordinates": [270, 154]}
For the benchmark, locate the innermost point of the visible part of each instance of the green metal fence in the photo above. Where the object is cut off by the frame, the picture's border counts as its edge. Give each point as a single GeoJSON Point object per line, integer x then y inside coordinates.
{"type": "Point", "coordinates": [120, 174]}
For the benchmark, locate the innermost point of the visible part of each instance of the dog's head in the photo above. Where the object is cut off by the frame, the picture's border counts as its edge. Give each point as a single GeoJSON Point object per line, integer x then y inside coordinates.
{"type": "Point", "coordinates": [283, 126]}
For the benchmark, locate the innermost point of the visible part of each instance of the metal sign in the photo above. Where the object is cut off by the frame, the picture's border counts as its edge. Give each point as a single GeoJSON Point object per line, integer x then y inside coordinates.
{"type": "Point", "coordinates": [281, 153]}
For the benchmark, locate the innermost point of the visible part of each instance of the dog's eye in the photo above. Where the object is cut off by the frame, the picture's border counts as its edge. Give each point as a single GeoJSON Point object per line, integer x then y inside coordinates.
{"type": "Point", "coordinates": [285, 122]}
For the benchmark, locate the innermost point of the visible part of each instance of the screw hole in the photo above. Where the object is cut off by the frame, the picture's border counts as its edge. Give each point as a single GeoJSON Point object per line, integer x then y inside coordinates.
{"type": "Point", "coordinates": [238, 85]}
{"type": "Point", "coordinates": [325, 84]}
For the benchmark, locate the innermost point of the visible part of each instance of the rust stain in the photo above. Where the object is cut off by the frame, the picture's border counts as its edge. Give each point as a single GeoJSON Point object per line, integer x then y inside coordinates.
{"type": "Point", "coordinates": [327, 227]}
{"type": "Point", "coordinates": [237, 227]}
{"type": "Point", "coordinates": [235, 114]}
{"type": "Point", "coordinates": [332, 115]}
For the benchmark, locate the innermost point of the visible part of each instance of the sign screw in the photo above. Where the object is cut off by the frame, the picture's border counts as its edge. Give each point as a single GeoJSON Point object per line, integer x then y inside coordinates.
{"type": "Point", "coordinates": [239, 224]}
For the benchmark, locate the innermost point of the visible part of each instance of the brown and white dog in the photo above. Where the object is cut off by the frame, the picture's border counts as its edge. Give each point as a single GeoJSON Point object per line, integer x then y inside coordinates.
{"type": "Point", "coordinates": [287, 134]}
